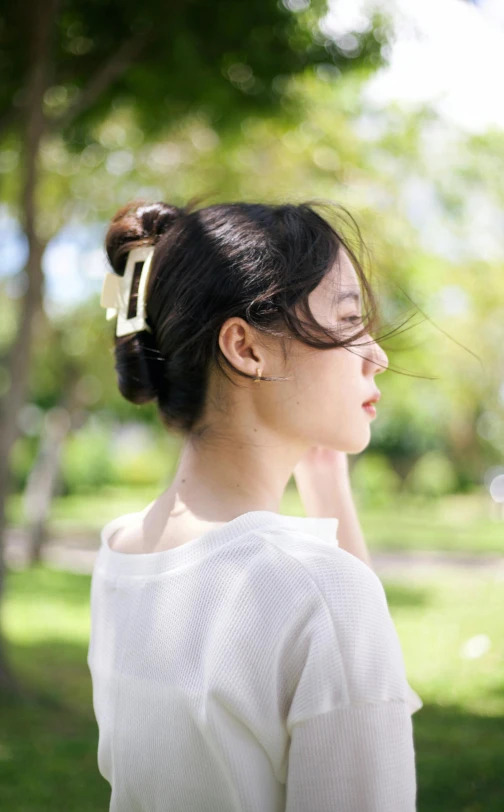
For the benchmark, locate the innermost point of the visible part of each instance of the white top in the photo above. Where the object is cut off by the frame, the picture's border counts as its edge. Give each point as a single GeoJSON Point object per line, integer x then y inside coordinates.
{"type": "Point", "coordinates": [255, 668]}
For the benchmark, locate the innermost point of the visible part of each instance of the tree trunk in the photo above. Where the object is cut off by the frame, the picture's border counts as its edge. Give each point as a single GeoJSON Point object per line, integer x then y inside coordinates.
{"type": "Point", "coordinates": [43, 479]}
{"type": "Point", "coordinates": [42, 17]}
{"type": "Point", "coordinates": [45, 475]}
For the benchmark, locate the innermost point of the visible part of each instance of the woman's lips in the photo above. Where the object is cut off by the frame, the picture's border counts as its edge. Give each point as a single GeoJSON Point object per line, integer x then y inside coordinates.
{"type": "Point", "coordinates": [369, 408]}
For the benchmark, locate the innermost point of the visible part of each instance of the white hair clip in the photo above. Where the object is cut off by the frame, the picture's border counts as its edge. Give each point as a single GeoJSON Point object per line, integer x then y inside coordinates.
{"type": "Point", "coordinates": [116, 292]}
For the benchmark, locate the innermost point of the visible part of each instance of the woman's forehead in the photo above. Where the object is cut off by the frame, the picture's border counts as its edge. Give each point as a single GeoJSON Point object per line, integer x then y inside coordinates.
{"type": "Point", "coordinates": [342, 280]}
{"type": "Point", "coordinates": [339, 286]}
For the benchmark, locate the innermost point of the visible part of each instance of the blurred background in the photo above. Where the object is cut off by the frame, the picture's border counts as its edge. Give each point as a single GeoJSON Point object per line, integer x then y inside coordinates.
{"type": "Point", "coordinates": [392, 108]}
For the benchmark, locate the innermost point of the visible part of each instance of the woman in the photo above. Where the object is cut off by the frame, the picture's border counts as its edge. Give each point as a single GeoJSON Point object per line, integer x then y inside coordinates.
{"type": "Point", "coordinates": [243, 660]}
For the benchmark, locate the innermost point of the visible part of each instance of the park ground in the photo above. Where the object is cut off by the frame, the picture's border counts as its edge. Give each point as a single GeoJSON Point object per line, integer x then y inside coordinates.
{"type": "Point", "coordinates": [447, 604]}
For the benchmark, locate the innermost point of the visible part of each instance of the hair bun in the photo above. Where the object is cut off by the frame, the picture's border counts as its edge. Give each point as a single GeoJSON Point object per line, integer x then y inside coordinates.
{"type": "Point", "coordinates": [141, 369]}
{"type": "Point", "coordinates": [137, 223]}
{"type": "Point", "coordinates": [156, 218]}
{"type": "Point", "coordinates": [139, 365]}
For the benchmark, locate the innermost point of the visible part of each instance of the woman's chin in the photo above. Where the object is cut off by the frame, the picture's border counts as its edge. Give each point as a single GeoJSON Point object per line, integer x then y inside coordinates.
{"type": "Point", "coordinates": [361, 443]}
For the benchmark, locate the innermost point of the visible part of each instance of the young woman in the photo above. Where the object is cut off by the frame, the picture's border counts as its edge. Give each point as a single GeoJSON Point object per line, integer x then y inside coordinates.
{"type": "Point", "coordinates": [243, 660]}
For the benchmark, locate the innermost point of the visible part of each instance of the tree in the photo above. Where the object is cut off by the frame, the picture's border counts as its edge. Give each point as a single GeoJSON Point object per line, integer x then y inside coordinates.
{"type": "Point", "coordinates": [66, 62]}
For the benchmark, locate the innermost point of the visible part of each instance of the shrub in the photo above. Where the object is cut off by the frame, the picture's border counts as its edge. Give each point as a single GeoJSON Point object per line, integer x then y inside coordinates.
{"type": "Point", "coordinates": [432, 475]}
{"type": "Point", "coordinates": [374, 480]}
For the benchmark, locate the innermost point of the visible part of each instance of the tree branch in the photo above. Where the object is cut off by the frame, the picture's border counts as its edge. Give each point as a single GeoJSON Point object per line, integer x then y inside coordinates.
{"type": "Point", "coordinates": [104, 77]}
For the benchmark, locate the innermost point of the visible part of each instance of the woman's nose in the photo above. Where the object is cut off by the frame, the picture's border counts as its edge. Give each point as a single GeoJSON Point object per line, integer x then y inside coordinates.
{"type": "Point", "coordinates": [382, 359]}
{"type": "Point", "coordinates": [379, 358]}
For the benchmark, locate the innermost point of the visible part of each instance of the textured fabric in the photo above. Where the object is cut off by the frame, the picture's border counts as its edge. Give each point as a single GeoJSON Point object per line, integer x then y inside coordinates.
{"type": "Point", "coordinates": [255, 668]}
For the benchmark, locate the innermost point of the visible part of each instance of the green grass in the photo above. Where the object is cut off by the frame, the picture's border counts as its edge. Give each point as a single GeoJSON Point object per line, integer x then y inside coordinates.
{"type": "Point", "coordinates": [459, 736]}
{"type": "Point", "coordinates": [458, 523]}
{"type": "Point", "coordinates": [87, 513]}
{"type": "Point", "coordinates": [453, 524]}
{"type": "Point", "coordinates": [48, 744]}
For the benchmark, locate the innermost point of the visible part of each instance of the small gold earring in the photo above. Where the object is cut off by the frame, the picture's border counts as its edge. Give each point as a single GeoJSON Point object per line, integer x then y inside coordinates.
{"type": "Point", "coordinates": [258, 378]}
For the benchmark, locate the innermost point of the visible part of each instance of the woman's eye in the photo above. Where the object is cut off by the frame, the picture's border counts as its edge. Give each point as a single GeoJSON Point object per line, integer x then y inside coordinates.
{"type": "Point", "coordinates": [352, 318]}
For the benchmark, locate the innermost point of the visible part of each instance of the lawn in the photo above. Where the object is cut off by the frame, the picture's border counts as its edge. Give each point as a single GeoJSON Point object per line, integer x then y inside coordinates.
{"type": "Point", "coordinates": [458, 523]}
{"type": "Point", "coordinates": [48, 745]}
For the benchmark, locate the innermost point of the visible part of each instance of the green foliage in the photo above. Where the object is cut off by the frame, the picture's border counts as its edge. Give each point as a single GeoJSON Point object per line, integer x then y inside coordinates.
{"type": "Point", "coordinates": [222, 57]}
{"type": "Point", "coordinates": [24, 453]}
{"type": "Point", "coordinates": [374, 479]}
{"type": "Point", "coordinates": [320, 140]}
{"type": "Point", "coordinates": [86, 464]}
{"type": "Point", "coordinates": [432, 475]}
{"type": "Point", "coordinates": [140, 468]}
{"type": "Point", "coordinates": [97, 456]}
{"type": "Point", "coordinates": [8, 308]}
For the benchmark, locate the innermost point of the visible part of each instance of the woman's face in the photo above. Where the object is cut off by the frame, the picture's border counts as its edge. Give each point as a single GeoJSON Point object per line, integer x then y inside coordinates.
{"type": "Point", "coordinates": [322, 401]}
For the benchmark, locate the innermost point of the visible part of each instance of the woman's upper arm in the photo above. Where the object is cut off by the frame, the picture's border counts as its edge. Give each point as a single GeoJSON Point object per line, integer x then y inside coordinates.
{"type": "Point", "coordinates": [358, 758]}
{"type": "Point", "coordinates": [351, 737]}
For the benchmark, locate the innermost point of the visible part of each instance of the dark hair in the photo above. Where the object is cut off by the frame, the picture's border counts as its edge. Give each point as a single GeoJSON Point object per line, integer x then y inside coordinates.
{"type": "Point", "coordinates": [255, 261]}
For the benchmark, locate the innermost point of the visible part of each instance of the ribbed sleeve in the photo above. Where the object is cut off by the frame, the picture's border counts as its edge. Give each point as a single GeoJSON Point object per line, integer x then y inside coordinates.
{"type": "Point", "coordinates": [350, 716]}
{"type": "Point", "coordinates": [357, 758]}
{"type": "Point", "coordinates": [352, 654]}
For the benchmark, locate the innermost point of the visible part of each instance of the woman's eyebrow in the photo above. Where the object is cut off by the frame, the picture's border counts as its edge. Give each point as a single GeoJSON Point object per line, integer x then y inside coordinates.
{"type": "Point", "coordinates": [349, 295]}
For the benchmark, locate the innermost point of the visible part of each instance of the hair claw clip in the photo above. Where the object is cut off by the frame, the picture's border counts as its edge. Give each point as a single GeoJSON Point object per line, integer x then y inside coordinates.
{"type": "Point", "coordinates": [116, 292]}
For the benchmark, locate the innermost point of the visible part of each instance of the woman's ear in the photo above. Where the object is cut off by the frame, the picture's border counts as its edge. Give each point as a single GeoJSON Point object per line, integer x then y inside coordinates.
{"type": "Point", "coordinates": [239, 343]}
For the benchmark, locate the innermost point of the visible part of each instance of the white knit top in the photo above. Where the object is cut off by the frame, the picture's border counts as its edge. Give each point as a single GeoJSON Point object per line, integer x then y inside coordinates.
{"type": "Point", "coordinates": [255, 668]}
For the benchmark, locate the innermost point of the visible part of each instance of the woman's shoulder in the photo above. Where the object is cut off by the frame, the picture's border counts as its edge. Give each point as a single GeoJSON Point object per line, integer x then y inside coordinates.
{"type": "Point", "coordinates": [119, 533]}
{"type": "Point", "coordinates": [329, 566]}
{"type": "Point", "coordinates": [330, 587]}
{"type": "Point", "coordinates": [345, 642]}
